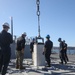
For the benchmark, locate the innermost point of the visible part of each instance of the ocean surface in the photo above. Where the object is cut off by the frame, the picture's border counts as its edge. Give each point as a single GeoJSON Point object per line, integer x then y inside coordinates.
{"type": "Point", "coordinates": [68, 51]}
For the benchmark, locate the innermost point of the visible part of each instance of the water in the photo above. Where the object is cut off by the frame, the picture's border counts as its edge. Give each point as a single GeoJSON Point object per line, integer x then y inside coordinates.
{"type": "Point", "coordinates": [68, 51]}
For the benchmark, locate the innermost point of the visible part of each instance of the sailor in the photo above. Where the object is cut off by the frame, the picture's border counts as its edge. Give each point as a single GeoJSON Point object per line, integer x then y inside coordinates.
{"type": "Point", "coordinates": [47, 50]}
{"type": "Point", "coordinates": [32, 48]}
{"type": "Point", "coordinates": [20, 51]}
{"type": "Point", "coordinates": [61, 52]}
{"type": "Point", "coordinates": [65, 50]}
{"type": "Point", "coordinates": [5, 41]}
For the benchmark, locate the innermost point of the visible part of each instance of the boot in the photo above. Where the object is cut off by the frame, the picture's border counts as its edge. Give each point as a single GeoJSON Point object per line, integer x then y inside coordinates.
{"type": "Point", "coordinates": [60, 62]}
{"type": "Point", "coordinates": [17, 66]}
{"type": "Point", "coordinates": [21, 67]}
{"type": "Point", "coordinates": [49, 65]}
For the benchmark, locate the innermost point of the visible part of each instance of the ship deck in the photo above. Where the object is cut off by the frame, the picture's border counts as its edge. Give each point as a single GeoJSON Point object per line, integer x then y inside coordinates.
{"type": "Point", "coordinates": [55, 69]}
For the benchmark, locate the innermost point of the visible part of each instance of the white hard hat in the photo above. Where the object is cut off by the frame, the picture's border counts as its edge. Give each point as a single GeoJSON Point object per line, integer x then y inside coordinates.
{"type": "Point", "coordinates": [24, 33]}
{"type": "Point", "coordinates": [6, 25]}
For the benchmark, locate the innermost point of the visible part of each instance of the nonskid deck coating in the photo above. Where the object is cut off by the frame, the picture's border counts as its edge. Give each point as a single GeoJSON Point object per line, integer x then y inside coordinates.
{"type": "Point", "coordinates": [55, 69]}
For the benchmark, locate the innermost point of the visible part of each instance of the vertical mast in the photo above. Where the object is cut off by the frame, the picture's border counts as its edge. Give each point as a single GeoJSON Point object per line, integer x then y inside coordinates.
{"type": "Point", "coordinates": [38, 14]}
{"type": "Point", "coordinates": [12, 26]}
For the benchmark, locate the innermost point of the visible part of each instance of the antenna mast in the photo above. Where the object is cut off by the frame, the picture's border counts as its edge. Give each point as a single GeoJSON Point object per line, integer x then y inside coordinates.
{"type": "Point", "coordinates": [11, 26]}
{"type": "Point", "coordinates": [38, 14]}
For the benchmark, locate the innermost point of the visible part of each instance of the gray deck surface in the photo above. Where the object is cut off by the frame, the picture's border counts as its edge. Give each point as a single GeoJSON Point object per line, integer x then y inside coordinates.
{"type": "Point", "coordinates": [55, 69]}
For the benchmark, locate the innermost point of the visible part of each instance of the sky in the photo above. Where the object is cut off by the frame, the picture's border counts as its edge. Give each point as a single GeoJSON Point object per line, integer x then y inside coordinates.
{"type": "Point", "coordinates": [57, 18]}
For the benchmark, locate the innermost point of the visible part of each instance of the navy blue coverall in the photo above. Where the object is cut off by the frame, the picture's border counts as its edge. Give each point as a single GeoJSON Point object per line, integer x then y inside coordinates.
{"type": "Point", "coordinates": [48, 46]}
{"type": "Point", "coordinates": [62, 53]}
{"type": "Point", "coordinates": [65, 50]}
{"type": "Point", "coordinates": [5, 54]}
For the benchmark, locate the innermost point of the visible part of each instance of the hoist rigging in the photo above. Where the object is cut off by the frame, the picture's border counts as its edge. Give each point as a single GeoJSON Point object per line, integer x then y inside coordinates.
{"type": "Point", "coordinates": [38, 14]}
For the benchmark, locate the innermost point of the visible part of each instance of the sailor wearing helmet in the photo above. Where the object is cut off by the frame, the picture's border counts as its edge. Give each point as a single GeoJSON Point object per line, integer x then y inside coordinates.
{"type": "Point", "coordinates": [5, 41]}
{"type": "Point", "coordinates": [20, 51]}
{"type": "Point", "coordinates": [47, 50]}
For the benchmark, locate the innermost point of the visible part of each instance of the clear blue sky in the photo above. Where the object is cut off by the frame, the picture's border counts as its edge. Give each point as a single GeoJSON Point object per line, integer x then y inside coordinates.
{"type": "Point", "coordinates": [57, 18]}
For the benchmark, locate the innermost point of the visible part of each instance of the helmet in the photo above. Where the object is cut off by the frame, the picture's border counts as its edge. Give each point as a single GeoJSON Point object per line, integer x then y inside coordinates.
{"type": "Point", "coordinates": [47, 36]}
{"type": "Point", "coordinates": [59, 39]}
{"type": "Point", "coordinates": [63, 40]}
{"type": "Point", "coordinates": [33, 39]}
{"type": "Point", "coordinates": [6, 25]}
{"type": "Point", "coordinates": [24, 33]}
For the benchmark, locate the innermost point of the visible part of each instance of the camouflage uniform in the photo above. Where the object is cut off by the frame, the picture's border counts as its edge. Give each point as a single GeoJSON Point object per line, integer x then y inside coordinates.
{"type": "Point", "coordinates": [19, 52]}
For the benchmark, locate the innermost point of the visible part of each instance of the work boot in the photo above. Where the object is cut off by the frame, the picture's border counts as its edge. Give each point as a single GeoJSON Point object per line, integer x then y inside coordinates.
{"type": "Point", "coordinates": [65, 62]}
{"type": "Point", "coordinates": [21, 67]}
{"type": "Point", "coordinates": [17, 66]}
{"type": "Point", "coordinates": [48, 65]}
{"type": "Point", "coordinates": [60, 62]}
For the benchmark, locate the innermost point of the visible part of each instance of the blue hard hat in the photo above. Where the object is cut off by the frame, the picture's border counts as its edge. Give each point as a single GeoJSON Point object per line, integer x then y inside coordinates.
{"type": "Point", "coordinates": [59, 39]}
{"type": "Point", "coordinates": [63, 40]}
{"type": "Point", "coordinates": [33, 39]}
{"type": "Point", "coordinates": [48, 36]}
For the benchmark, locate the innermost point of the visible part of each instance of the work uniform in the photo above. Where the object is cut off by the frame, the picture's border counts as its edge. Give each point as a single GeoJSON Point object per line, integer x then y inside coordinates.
{"type": "Point", "coordinates": [48, 47]}
{"type": "Point", "coordinates": [19, 53]}
{"type": "Point", "coordinates": [62, 53]}
{"type": "Point", "coordinates": [65, 51]}
{"type": "Point", "coordinates": [31, 46]}
{"type": "Point", "coordinates": [31, 49]}
{"type": "Point", "coordinates": [5, 41]}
